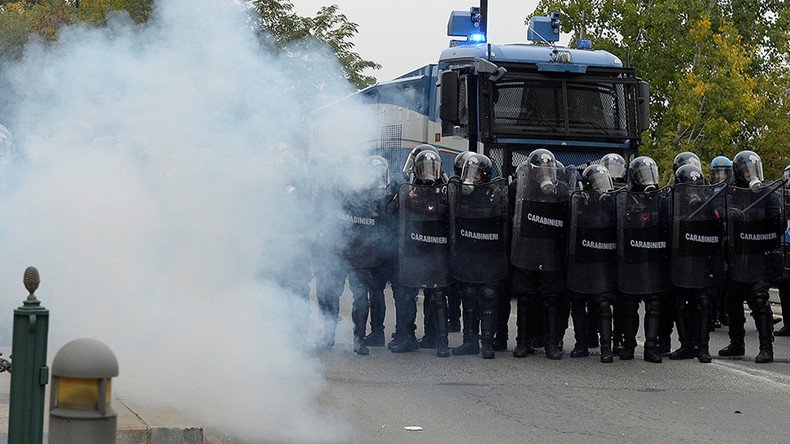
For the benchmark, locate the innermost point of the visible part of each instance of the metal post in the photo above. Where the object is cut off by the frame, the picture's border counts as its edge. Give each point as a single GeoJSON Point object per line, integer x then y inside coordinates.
{"type": "Point", "coordinates": [484, 17]}
{"type": "Point", "coordinates": [30, 373]}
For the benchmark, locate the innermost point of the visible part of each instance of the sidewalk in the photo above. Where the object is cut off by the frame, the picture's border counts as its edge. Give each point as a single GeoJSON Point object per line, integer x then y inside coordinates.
{"type": "Point", "coordinates": [140, 421]}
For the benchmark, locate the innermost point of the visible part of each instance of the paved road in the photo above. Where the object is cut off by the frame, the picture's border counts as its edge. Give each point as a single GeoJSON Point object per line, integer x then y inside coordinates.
{"type": "Point", "coordinates": [467, 399]}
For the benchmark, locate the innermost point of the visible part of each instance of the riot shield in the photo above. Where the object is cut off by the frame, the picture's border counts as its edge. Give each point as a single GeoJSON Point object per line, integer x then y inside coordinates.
{"type": "Point", "coordinates": [479, 231]}
{"type": "Point", "coordinates": [643, 234]}
{"type": "Point", "coordinates": [360, 218]}
{"type": "Point", "coordinates": [755, 229]}
{"type": "Point", "coordinates": [698, 232]}
{"type": "Point", "coordinates": [592, 243]}
{"type": "Point", "coordinates": [786, 236]}
{"type": "Point", "coordinates": [424, 259]}
{"type": "Point", "coordinates": [539, 224]}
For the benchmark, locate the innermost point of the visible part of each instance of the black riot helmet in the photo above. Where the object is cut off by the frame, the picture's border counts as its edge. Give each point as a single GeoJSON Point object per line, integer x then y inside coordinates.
{"type": "Point", "coordinates": [458, 164]}
{"type": "Point", "coordinates": [748, 169]}
{"type": "Point", "coordinates": [478, 168]}
{"type": "Point", "coordinates": [685, 158]}
{"type": "Point", "coordinates": [786, 176]}
{"type": "Point", "coordinates": [690, 174]}
{"type": "Point", "coordinates": [596, 178]}
{"type": "Point", "coordinates": [543, 168]}
{"type": "Point", "coordinates": [427, 167]}
{"type": "Point", "coordinates": [643, 174]}
{"type": "Point", "coordinates": [616, 165]}
{"type": "Point", "coordinates": [721, 170]}
{"type": "Point", "coordinates": [408, 167]}
{"type": "Point", "coordinates": [381, 170]}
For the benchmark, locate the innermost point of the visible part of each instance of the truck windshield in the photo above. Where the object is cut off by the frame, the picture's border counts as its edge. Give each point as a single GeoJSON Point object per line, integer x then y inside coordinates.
{"type": "Point", "coordinates": [544, 106]}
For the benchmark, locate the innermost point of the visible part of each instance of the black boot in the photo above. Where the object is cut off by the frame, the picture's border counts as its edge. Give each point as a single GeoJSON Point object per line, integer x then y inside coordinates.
{"type": "Point", "coordinates": [440, 312]}
{"type": "Point", "coordinates": [499, 343]}
{"type": "Point", "coordinates": [328, 340]}
{"type": "Point", "coordinates": [652, 327]}
{"type": "Point", "coordinates": [766, 352]}
{"type": "Point", "coordinates": [784, 331]}
{"type": "Point", "coordinates": [627, 354]}
{"type": "Point", "coordinates": [552, 349]}
{"type": "Point", "coordinates": [605, 329]}
{"type": "Point", "coordinates": [487, 325]}
{"type": "Point", "coordinates": [652, 354]}
{"type": "Point", "coordinates": [359, 346]}
{"type": "Point", "coordinates": [686, 351]}
{"type": "Point", "coordinates": [471, 344]}
{"type": "Point", "coordinates": [704, 313]}
{"type": "Point", "coordinates": [733, 349]}
{"type": "Point", "coordinates": [522, 325]}
{"type": "Point", "coordinates": [765, 330]}
{"type": "Point", "coordinates": [375, 339]}
{"type": "Point", "coordinates": [580, 351]}
{"type": "Point", "coordinates": [617, 343]}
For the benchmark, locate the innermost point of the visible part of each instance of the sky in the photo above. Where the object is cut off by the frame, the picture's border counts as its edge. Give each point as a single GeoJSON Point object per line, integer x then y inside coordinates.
{"type": "Point", "coordinates": [407, 34]}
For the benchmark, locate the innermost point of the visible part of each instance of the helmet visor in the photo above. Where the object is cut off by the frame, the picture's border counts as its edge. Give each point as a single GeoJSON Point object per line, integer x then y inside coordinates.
{"type": "Point", "coordinates": [719, 175]}
{"type": "Point", "coordinates": [544, 173]}
{"type": "Point", "coordinates": [428, 169]}
{"type": "Point", "coordinates": [615, 167]}
{"type": "Point", "coordinates": [600, 183]}
{"type": "Point", "coordinates": [751, 171]}
{"type": "Point", "coordinates": [474, 173]}
{"type": "Point", "coordinates": [646, 174]}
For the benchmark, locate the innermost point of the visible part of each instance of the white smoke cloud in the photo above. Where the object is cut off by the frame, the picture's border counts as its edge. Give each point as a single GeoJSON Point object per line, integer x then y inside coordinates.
{"type": "Point", "coordinates": [145, 190]}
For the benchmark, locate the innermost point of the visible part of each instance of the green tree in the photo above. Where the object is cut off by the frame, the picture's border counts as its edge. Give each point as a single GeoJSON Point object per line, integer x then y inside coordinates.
{"type": "Point", "coordinates": [282, 28]}
{"type": "Point", "coordinates": [717, 69]}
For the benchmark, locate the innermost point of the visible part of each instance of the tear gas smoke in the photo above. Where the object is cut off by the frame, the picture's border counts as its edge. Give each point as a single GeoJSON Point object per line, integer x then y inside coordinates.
{"type": "Point", "coordinates": [146, 189]}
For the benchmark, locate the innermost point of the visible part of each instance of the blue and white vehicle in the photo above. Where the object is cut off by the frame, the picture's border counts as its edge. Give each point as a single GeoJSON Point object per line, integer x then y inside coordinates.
{"type": "Point", "coordinates": [507, 100]}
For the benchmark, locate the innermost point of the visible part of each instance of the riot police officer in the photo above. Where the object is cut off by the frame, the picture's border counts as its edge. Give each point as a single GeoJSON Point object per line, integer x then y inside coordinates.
{"type": "Point", "coordinates": [423, 241]}
{"type": "Point", "coordinates": [721, 170]}
{"type": "Point", "coordinates": [538, 251]}
{"type": "Point", "coordinates": [618, 168]}
{"type": "Point", "coordinates": [478, 249]}
{"type": "Point", "coordinates": [643, 213]}
{"type": "Point", "coordinates": [360, 216]}
{"type": "Point", "coordinates": [755, 226]}
{"type": "Point", "coordinates": [592, 258]}
{"type": "Point", "coordinates": [784, 283]}
{"type": "Point", "coordinates": [698, 265]}
{"type": "Point", "coordinates": [721, 173]}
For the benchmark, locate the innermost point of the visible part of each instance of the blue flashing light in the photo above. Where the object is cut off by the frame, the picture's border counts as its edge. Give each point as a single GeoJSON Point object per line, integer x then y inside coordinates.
{"type": "Point", "coordinates": [584, 44]}
{"type": "Point", "coordinates": [476, 37]}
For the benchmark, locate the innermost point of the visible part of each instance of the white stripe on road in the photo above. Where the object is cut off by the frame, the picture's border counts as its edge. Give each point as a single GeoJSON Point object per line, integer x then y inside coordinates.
{"type": "Point", "coordinates": [775, 379]}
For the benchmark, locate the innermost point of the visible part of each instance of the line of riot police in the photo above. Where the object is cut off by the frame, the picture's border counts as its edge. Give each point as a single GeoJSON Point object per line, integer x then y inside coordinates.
{"type": "Point", "coordinates": [563, 244]}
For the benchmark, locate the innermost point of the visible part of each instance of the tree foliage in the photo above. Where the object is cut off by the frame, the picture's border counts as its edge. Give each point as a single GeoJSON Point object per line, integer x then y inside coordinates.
{"type": "Point", "coordinates": [718, 69]}
{"type": "Point", "coordinates": [280, 26]}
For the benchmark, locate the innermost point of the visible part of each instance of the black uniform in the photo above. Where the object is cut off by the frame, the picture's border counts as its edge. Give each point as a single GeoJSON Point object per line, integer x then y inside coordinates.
{"type": "Point", "coordinates": [783, 284]}
{"type": "Point", "coordinates": [424, 255]}
{"type": "Point", "coordinates": [754, 231]}
{"type": "Point", "coordinates": [592, 266]}
{"type": "Point", "coordinates": [361, 221]}
{"type": "Point", "coordinates": [538, 255]}
{"type": "Point", "coordinates": [479, 262]}
{"type": "Point", "coordinates": [643, 271]}
{"type": "Point", "coordinates": [698, 265]}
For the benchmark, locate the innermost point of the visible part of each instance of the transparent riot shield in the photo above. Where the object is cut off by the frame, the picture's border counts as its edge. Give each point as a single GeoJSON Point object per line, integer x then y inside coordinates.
{"type": "Point", "coordinates": [360, 217]}
{"type": "Point", "coordinates": [754, 232]}
{"type": "Point", "coordinates": [539, 224]}
{"type": "Point", "coordinates": [643, 235]}
{"type": "Point", "coordinates": [479, 231]}
{"type": "Point", "coordinates": [592, 243]}
{"type": "Point", "coordinates": [698, 233]}
{"type": "Point", "coordinates": [424, 259]}
{"type": "Point", "coordinates": [786, 236]}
